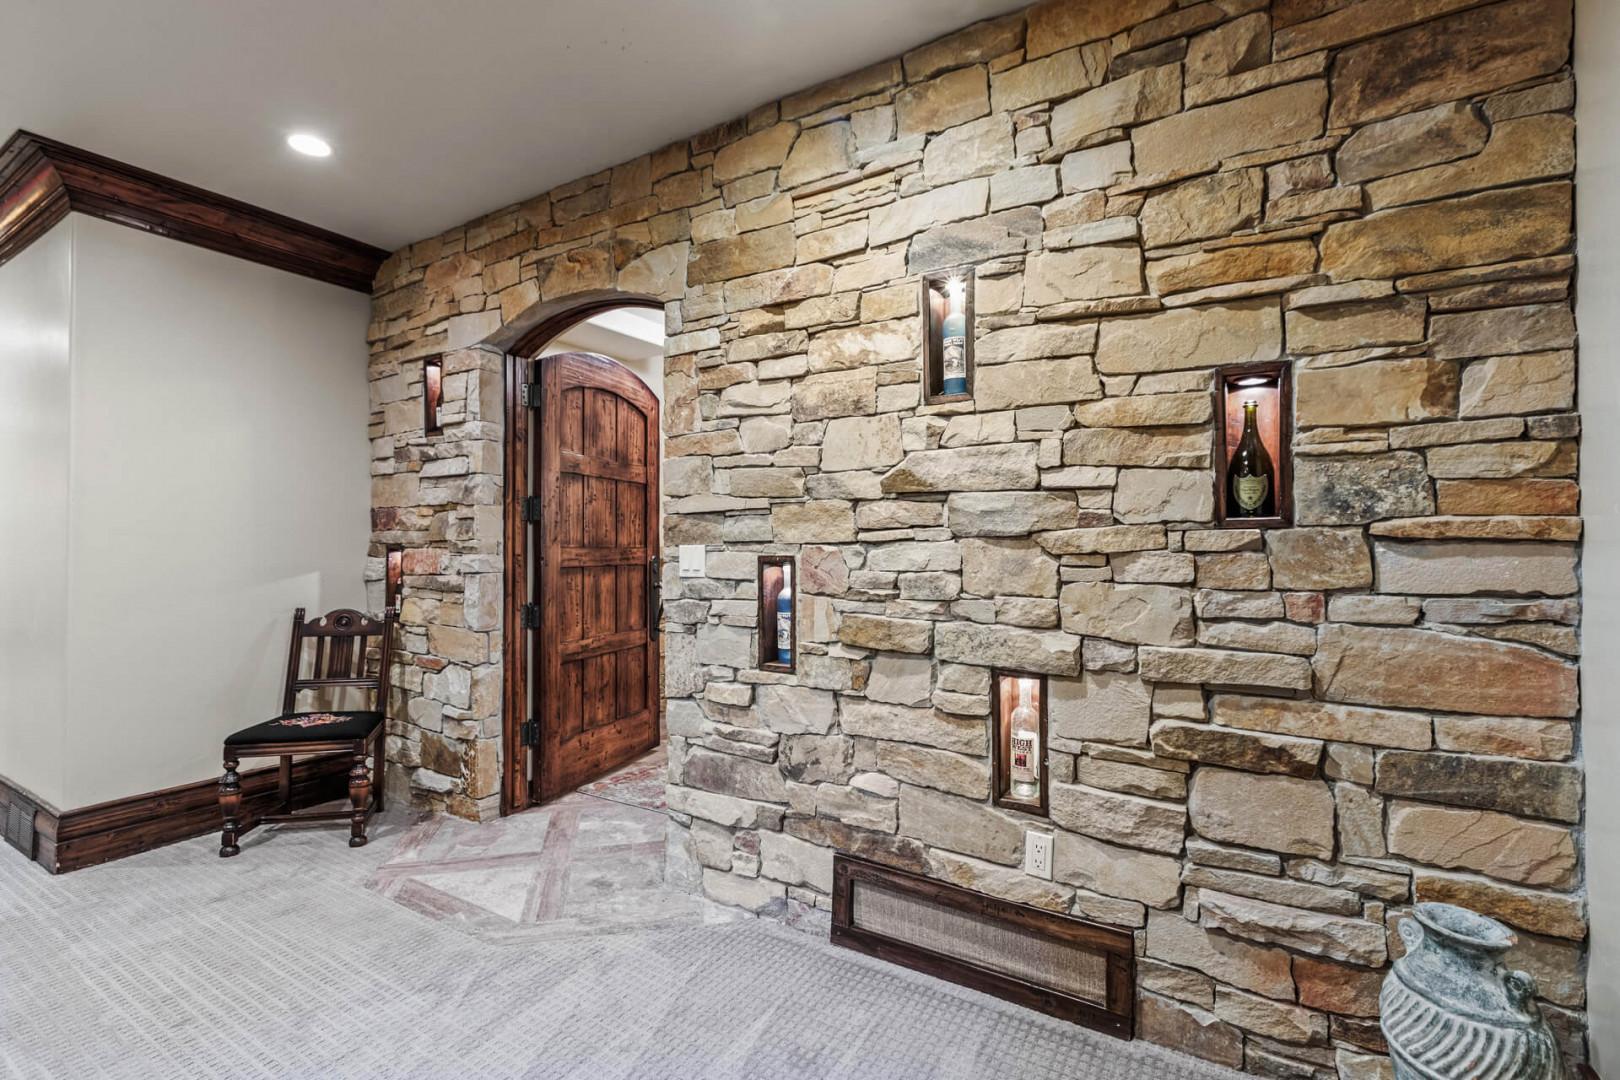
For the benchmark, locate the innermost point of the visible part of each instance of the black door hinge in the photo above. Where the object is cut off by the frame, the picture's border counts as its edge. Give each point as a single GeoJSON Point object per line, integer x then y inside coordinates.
{"type": "Point", "coordinates": [531, 508]}
{"type": "Point", "coordinates": [530, 395]}
{"type": "Point", "coordinates": [531, 616]}
{"type": "Point", "coordinates": [531, 733]}
{"type": "Point", "coordinates": [655, 595]}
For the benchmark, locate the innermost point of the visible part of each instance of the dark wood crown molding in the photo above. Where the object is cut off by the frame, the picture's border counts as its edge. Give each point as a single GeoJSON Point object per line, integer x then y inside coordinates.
{"type": "Point", "coordinates": [42, 179]}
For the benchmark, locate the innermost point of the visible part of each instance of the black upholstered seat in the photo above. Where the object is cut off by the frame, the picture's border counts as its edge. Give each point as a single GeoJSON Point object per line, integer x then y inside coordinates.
{"type": "Point", "coordinates": [309, 726]}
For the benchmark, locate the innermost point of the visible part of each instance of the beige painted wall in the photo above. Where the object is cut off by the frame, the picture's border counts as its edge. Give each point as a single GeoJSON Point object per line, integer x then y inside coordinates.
{"type": "Point", "coordinates": [35, 308]}
{"type": "Point", "coordinates": [1597, 215]}
{"type": "Point", "coordinates": [219, 479]}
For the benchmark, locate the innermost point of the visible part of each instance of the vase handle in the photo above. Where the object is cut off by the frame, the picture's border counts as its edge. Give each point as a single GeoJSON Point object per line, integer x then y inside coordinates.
{"type": "Point", "coordinates": [1522, 985]}
{"type": "Point", "coordinates": [1411, 932]}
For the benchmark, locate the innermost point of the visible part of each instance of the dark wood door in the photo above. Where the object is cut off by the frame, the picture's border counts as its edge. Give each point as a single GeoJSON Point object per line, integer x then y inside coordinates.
{"type": "Point", "coordinates": [597, 650]}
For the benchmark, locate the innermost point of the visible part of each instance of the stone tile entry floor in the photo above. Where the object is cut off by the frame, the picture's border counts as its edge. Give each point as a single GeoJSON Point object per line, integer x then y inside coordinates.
{"type": "Point", "coordinates": [640, 783]}
{"type": "Point", "coordinates": [542, 945]}
{"type": "Point", "coordinates": [588, 863]}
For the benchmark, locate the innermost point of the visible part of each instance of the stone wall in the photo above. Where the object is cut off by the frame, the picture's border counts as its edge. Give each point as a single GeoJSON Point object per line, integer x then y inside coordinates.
{"type": "Point", "coordinates": [1265, 745]}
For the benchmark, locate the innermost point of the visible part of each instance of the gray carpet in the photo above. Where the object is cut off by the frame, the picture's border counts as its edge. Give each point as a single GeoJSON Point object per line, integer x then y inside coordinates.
{"type": "Point", "coordinates": [280, 963]}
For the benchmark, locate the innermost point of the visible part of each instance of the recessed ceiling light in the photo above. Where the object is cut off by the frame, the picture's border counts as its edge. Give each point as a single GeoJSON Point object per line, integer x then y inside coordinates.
{"type": "Point", "coordinates": [312, 145]}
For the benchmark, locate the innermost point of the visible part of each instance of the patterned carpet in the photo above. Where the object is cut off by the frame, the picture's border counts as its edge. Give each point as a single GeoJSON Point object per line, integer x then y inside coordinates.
{"type": "Point", "coordinates": [304, 958]}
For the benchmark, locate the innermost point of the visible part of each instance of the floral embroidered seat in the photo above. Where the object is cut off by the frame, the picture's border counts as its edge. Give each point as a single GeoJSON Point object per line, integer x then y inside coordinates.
{"type": "Point", "coordinates": [342, 654]}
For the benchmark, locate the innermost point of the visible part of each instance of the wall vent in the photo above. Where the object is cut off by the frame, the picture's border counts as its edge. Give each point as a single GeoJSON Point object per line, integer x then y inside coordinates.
{"type": "Point", "coordinates": [17, 819]}
{"type": "Point", "coordinates": [1063, 966]}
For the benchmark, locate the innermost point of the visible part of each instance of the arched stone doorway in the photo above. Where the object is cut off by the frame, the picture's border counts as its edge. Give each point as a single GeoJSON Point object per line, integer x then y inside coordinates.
{"type": "Point", "coordinates": [520, 341]}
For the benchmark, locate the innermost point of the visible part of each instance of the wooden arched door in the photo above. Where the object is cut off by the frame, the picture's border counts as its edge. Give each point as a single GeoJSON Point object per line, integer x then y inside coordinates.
{"type": "Point", "coordinates": [595, 656]}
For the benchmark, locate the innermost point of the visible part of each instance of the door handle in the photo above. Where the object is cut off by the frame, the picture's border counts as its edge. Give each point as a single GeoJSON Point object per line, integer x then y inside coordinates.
{"type": "Point", "coordinates": [655, 596]}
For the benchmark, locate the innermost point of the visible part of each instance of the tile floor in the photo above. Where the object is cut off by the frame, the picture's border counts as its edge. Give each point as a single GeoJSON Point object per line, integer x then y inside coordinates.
{"type": "Point", "coordinates": [589, 863]}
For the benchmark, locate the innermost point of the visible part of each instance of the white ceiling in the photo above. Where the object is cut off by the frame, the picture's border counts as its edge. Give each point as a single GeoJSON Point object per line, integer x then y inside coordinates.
{"type": "Point", "coordinates": [438, 110]}
{"type": "Point", "coordinates": [626, 334]}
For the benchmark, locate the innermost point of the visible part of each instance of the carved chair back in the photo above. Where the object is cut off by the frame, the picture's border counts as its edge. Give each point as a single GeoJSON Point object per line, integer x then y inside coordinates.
{"type": "Point", "coordinates": [343, 649]}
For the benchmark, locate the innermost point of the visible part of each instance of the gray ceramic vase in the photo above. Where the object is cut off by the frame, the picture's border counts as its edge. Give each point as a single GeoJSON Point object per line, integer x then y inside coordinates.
{"type": "Point", "coordinates": [1453, 1011]}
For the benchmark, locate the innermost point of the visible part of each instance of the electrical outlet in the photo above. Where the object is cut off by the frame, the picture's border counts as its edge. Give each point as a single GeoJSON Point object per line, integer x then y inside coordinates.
{"type": "Point", "coordinates": [1038, 854]}
{"type": "Point", "coordinates": [692, 560]}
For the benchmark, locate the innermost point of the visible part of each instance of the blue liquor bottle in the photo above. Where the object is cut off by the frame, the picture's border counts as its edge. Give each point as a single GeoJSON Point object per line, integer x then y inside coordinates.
{"type": "Point", "coordinates": [784, 619]}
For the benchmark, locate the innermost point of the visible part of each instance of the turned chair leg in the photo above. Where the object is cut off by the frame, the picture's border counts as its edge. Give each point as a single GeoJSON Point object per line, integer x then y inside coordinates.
{"type": "Point", "coordinates": [359, 797]}
{"type": "Point", "coordinates": [379, 771]}
{"type": "Point", "coordinates": [230, 806]}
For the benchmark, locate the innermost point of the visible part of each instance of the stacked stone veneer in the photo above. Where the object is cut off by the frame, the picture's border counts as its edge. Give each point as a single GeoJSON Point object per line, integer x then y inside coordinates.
{"type": "Point", "coordinates": [1264, 745]}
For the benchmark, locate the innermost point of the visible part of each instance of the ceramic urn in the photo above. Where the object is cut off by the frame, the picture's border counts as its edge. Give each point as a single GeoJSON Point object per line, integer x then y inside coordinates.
{"type": "Point", "coordinates": [1453, 1011]}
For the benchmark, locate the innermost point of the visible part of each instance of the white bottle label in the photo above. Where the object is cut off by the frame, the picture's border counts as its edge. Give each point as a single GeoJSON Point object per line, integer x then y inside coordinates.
{"type": "Point", "coordinates": [953, 360]}
{"type": "Point", "coordinates": [1023, 756]}
{"type": "Point", "coordinates": [784, 631]}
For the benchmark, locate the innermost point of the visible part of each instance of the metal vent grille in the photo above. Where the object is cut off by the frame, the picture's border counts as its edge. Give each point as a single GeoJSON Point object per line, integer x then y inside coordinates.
{"type": "Point", "coordinates": [1058, 964]}
{"type": "Point", "coordinates": [1077, 970]}
{"type": "Point", "coordinates": [17, 820]}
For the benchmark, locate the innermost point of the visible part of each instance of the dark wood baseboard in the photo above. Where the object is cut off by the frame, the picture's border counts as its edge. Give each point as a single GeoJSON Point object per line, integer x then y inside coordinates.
{"type": "Point", "coordinates": [71, 840]}
{"type": "Point", "coordinates": [42, 179]}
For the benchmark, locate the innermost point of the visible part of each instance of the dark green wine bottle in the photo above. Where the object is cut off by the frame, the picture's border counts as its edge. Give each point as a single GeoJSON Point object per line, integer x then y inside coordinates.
{"type": "Point", "coordinates": [1252, 481]}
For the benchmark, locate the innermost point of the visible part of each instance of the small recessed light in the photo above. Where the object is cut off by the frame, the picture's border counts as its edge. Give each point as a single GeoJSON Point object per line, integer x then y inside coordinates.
{"type": "Point", "coordinates": [312, 145]}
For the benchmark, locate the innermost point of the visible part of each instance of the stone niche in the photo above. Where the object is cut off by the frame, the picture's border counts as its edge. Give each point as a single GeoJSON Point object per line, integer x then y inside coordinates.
{"type": "Point", "coordinates": [1263, 745]}
{"type": "Point", "coordinates": [946, 305]}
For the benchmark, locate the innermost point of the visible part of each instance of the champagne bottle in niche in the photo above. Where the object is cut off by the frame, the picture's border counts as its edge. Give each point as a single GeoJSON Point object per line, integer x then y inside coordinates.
{"type": "Point", "coordinates": [1251, 478]}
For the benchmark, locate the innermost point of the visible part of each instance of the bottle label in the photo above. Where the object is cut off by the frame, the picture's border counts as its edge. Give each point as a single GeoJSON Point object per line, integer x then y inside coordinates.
{"type": "Point", "coordinates": [784, 631]}
{"type": "Point", "coordinates": [1250, 491]}
{"type": "Point", "coordinates": [953, 358]}
{"type": "Point", "coordinates": [1023, 755]}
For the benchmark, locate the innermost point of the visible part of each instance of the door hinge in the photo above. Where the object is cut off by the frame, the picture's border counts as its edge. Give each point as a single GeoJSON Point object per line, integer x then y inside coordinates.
{"type": "Point", "coordinates": [655, 596]}
{"type": "Point", "coordinates": [531, 616]}
{"type": "Point", "coordinates": [531, 508]}
{"type": "Point", "coordinates": [531, 733]}
{"type": "Point", "coordinates": [530, 395]}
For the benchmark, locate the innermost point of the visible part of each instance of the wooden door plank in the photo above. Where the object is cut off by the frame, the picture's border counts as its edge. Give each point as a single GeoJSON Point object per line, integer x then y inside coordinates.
{"type": "Point", "coordinates": [581, 465]}
{"type": "Point", "coordinates": [616, 556]}
{"type": "Point", "coordinates": [599, 463]}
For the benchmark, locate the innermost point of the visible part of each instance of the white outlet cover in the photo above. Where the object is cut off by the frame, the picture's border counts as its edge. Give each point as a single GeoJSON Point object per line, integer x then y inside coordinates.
{"type": "Point", "coordinates": [1038, 854]}
{"type": "Point", "coordinates": [693, 557]}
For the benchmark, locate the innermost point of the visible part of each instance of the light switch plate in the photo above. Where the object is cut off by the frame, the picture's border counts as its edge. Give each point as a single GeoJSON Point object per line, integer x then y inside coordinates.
{"type": "Point", "coordinates": [693, 557]}
{"type": "Point", "coordinates": [1038, 854]}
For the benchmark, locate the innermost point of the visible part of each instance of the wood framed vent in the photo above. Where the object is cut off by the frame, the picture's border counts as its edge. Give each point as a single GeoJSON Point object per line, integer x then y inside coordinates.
{"type": "Point", "coordinates": [1060, 965]}
{"type": "Point", "coordinates": [432, 394]}
{"type": "Point", "coordinates": [778, 622]}
{"type": "Point", "coordinates": [393, 576]}
{"type": "Point", "coordinates": [1018, 741]}
{"type": "Point", "coordinates": [944, 293]}
{"type": "Point", "coordinates": [1270, 387]}
{"type": "Point", "coordinates": [17, 812]}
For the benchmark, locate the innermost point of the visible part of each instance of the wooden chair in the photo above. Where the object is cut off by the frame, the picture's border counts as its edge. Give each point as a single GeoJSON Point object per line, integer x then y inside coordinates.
{"type": "Point", "coordinates": [341, 644]}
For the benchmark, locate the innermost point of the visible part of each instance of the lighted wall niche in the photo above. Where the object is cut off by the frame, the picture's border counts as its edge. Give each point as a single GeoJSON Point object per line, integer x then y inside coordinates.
{"type": "Point", "coordinates": [1254, 471]}
{"type": "Point", "coordinates": [947, 306]}
{"type": "Point", "coordinates": [1019, 705]}
{"type": "Point", "coordinates": [778, 614]}
{"type": "Point", "coordinates": [393, 576]}
{"type": "Point", "coordinates": [432, 395]}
